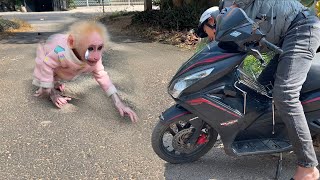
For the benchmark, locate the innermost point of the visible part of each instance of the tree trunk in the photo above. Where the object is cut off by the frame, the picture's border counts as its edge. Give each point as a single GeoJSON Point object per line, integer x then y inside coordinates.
{"type": "Point", "coordinates": [177, 3]}
{"type": "Point", "coordinates": [147, 5]}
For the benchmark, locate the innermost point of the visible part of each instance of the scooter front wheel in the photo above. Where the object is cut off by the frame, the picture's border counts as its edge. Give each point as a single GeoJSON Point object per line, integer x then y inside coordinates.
{"type": "Point", "coordinates": [170, 141]}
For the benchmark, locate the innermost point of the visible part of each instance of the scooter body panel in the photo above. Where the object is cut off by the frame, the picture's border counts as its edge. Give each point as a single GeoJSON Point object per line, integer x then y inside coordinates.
{"type": "Point", "coordinates": [207, 100]}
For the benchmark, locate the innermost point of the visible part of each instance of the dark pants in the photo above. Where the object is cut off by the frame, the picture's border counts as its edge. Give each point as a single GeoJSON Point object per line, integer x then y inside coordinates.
{"type": "Point", "coordinates": [290, 69]}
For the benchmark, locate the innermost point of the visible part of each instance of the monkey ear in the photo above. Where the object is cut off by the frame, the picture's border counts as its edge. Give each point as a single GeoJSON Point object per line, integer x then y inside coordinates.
{"type": "Point", "coordinates": [70, 41]}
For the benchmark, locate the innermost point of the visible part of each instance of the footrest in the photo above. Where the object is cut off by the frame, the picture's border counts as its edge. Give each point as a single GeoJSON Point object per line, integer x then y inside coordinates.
{"type": "Point", "coordinates": [261, 146]}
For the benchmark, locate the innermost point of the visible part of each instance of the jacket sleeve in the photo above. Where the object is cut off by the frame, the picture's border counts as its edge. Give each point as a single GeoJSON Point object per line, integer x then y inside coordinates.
{"type": "Point", "coordinates": [44, 69]}
{"type": "Point", "coordinates": [243, 4]}
{"type": "Point", "coordinates": [103, 79]}
{"type": "Point", "coordinates": [225, 3]}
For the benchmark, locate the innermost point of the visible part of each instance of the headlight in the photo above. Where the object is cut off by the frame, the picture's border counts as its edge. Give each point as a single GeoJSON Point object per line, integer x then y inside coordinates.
{"type": "Point", "coordinates": [181, 84]}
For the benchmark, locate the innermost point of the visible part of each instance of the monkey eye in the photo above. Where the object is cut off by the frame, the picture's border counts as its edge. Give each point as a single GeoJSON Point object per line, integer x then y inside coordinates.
{"type": "Point", "coordinates": [100, 47]}
{"type": "Point", "coordinates": [90, 48]}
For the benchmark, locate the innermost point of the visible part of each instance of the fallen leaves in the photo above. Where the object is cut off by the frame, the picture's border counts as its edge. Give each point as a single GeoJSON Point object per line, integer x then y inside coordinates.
{"type": "Point", "coordinates": [184, 39]}
{"type": "Point", "coordinates": [8, 28]}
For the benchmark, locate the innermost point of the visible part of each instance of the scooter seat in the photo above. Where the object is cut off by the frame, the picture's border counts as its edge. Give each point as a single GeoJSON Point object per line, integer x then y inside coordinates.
{"type": "Point", "coordinates": [313, 79]}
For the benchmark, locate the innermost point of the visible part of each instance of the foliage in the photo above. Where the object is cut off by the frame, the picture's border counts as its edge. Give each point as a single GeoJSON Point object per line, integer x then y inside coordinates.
{"type": "Point", "coordinates": [253, 66]}
{"type": "Point", "coordinates": [169, 4]}
{"type": "Point", "coordinates": [182, 18]}
{"type": "Point", "coordinates": [10, 5]}
{"type": "Point", "coordinates": [202, 43]}
{"type": "Point", "coordinates": [18, 2]}
{"type": "Point", "coordinates": [71, 4]}
{"type": "Point", "coordinates": [318, 8]}
{"type": "Point", "coordinates": [156, 2]}
{"type": "Point", "coordinates": [307, 3]}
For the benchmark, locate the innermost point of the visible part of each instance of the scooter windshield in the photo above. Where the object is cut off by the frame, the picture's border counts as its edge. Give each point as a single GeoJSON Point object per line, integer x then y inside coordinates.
{"type": "Point", "coordinates": [234, 26]}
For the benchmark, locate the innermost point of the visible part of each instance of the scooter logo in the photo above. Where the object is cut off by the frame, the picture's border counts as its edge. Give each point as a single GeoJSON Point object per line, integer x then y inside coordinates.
{"type": "Point", "coordinates": [235, 34]}
{"type": "Point", "coordinates": [229, 123]}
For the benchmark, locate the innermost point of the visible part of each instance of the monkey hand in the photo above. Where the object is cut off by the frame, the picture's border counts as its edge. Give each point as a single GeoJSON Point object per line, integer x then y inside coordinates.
{"type": "Point", "coordinates": [123, 109]}
{"type": "Point", "coordinates": [59, 100]}
{"type": "Point", "coordinates": [60, 87]}
{"type": "Point", "coordinates": [42, 92]}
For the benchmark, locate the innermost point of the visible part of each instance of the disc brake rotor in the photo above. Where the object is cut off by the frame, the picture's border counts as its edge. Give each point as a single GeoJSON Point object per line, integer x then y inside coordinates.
{"type": "Point", "coordinates": [179, 141]}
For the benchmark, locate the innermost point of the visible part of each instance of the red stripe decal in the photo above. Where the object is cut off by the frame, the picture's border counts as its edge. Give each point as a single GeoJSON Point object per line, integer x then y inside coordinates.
{"type": "Point", "coordinates": [210, 60]}
{"type": "Point", "coordinates": [311, 100]}
{"type": "Point", "coordinates": [201, 100]}
{"type": "Point", "coordinates": [179, 115]}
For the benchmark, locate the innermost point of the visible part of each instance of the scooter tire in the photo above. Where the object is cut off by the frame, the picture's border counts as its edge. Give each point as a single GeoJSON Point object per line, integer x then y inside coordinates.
{"type": "Point", "coordinates": [159, 149]}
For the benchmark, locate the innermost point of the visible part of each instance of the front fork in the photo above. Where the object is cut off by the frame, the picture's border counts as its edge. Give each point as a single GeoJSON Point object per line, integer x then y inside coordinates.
{"type": "Point", "coordinates": [177, 111]}
{"type": "Point", "coordinates": [197, 137]}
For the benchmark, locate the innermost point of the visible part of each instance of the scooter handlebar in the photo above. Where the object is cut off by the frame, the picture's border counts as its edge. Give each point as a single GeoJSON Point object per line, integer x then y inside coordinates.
{"type": "Point", "coordinates": [271, 46]}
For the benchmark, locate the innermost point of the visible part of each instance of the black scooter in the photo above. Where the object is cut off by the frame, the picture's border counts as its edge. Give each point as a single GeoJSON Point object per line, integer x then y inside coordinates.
{"type": "Point", "coordinates": [214, 96]}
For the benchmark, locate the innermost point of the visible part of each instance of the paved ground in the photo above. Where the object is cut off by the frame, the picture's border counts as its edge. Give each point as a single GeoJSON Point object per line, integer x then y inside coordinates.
{"type": "Point", "coordinates": [88, 139]}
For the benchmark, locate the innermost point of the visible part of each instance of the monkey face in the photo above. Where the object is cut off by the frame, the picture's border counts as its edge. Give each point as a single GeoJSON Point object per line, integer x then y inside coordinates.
{"type": "Point", "coordinates": [91, 48]}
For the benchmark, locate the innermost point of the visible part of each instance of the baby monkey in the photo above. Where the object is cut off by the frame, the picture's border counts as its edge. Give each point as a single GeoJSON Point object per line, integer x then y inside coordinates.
{"type": "Point", "coordinates": [65, 56]}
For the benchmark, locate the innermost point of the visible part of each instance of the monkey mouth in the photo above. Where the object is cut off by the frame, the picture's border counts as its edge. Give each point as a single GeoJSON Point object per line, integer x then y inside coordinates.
{"type": "Point", "coordinates": [91, 62]}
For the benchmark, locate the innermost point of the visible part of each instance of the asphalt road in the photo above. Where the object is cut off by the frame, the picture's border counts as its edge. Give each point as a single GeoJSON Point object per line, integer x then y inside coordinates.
{"type": "Point", "coordinates": [88, 139]}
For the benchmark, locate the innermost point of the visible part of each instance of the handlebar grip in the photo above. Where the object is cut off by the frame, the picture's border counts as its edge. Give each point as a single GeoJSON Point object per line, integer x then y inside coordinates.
{"type": "Point", "coordinates": [271, 46]}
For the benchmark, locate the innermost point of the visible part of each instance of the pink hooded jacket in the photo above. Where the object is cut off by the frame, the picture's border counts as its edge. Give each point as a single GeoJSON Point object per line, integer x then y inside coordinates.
{"type": "Point", "coordinates": [56, 61]}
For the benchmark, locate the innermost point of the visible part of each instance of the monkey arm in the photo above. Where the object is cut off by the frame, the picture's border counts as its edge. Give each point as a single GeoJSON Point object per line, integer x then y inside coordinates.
{"type": "Point", "coordinates": [103, 79]}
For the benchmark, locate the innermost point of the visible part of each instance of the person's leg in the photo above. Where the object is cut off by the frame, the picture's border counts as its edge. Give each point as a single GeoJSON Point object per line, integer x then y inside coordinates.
{"type": "Point", "coordinates": [299, 48]}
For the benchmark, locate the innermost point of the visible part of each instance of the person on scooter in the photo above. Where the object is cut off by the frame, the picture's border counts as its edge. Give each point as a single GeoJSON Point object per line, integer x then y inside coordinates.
{"type": "Point", "coordinates": [291, 26]}
{"type": "Point", "coordinates": [207, 23]}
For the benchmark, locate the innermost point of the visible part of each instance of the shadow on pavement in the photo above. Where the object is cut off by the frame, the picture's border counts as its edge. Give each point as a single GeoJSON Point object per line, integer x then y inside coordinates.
{"type": "Point", "coordinates": [26, 38]}
{"type": "Point", "coordinates": [118, 38]}
{"type": "Point", "coordinates": [217, 165]}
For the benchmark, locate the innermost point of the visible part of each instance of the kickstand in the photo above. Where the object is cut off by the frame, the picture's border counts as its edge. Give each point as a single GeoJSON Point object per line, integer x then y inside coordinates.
{"type": "Point", "coordinates": [279, 167]}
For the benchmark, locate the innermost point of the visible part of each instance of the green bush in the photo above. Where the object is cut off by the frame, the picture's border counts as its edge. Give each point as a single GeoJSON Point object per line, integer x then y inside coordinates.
{"type": "Point", "coordinates": [19, 2]}
{"type": "Point", "coordinates": [71, 4]}
{"type": "Point", "coordinates": [156, 2]}
{"type": "Point", "coordinates": [186, 17]}
{"type": "Point", "coordinates": [253, 66]}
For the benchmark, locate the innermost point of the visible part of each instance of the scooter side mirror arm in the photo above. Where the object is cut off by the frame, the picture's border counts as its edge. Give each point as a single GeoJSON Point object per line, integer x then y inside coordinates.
{"type": "Point", "coordinates": [256, 53]}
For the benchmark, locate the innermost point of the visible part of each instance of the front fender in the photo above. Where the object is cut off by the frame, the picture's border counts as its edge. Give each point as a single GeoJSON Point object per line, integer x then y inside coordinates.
{"type": "Point", "coordinates": [172, 113]}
